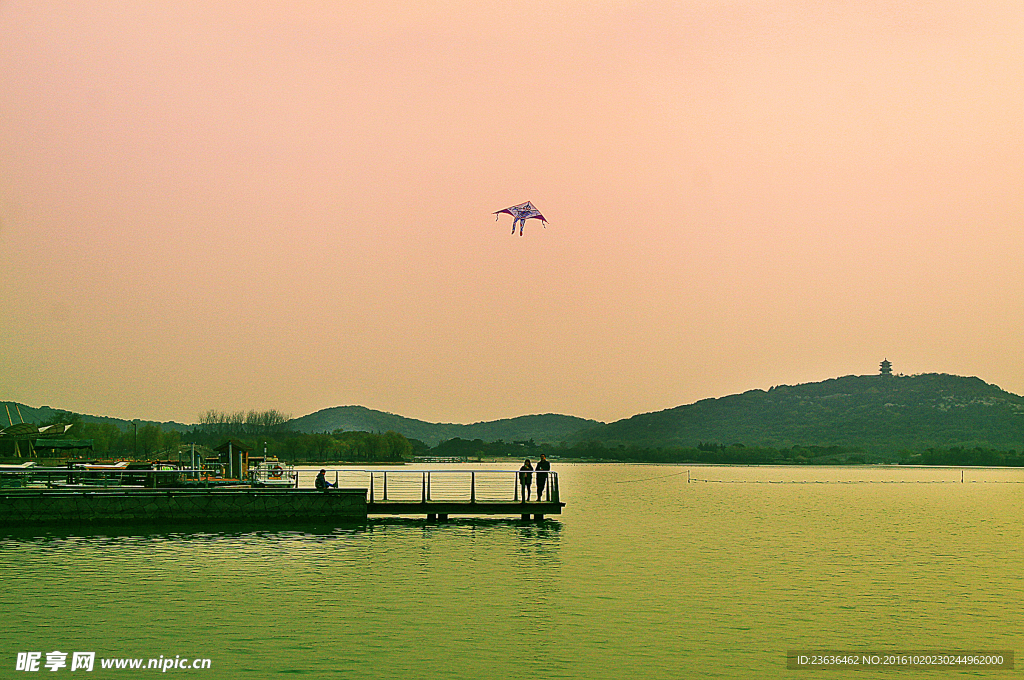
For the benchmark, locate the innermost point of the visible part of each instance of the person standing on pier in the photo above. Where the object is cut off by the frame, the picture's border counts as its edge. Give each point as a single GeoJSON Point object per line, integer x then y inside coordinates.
{"type": "Point", "coordinates": [525, 478]}
{"type": "Point", "coordinates": [542, 475]}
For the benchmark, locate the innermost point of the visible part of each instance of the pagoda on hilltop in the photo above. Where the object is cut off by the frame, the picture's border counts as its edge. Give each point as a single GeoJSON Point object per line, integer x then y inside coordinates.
{"type": "Point", "coordinates": [885, 368]}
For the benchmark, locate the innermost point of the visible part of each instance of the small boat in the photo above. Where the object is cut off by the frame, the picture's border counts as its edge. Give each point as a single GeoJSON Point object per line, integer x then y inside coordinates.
{"type": "Point", "coordinates": [20, 466]}
{"type": "Point", "coordinates": [120, 465]}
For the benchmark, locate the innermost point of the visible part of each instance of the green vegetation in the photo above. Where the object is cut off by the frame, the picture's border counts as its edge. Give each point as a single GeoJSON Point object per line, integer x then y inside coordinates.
{"type": "Point", "coordinates": [321, 447]}
{"type": "Point", "coordinates": [271, 432]}
{"type": "Point", "coordinates": [551, 428]}
{"type": "Point", "coordinates": [109, 441]}
{"type": "Point", "coordinates": [931, 419]}
{"type": "Point", "coordinates": [146, 440]}
{"type": "Point", "coordinates": [703, 453]}
{"type": "Point", "coordinates": [256, 430]}
{"type": "Point", "coordinates": [875, 417]}
{"type": "Point", "coordinates": [959, 456]}
{"type": "Point", "coordinates": [242, 422]}
{"type": "Point", "coordinates": [879, 414]}
{"type": "Point", "coordinates": [714, 453]}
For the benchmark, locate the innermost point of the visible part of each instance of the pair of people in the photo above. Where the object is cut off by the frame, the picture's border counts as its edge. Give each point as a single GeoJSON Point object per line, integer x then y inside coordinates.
{"type": "Point", "coordinates": [526, 474]}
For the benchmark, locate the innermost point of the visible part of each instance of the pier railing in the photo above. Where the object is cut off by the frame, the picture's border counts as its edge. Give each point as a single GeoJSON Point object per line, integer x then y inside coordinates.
{"type": "Point", "coordinates": [109, 476]}
{"type": "Point", "coordinates": [456, 486]}
{"type": "Point", "coordinates": [63, 477]}
{"type": "Point", "coordinates": [382, 486]}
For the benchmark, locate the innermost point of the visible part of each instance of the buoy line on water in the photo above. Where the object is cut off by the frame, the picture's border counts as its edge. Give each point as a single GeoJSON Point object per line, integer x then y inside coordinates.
{"type": "Point", "coordinates": [852, 481]}
{"type": "Point", "coordinates": [649, 479]}
{"type": "Point", "coordinates": [819, 481]}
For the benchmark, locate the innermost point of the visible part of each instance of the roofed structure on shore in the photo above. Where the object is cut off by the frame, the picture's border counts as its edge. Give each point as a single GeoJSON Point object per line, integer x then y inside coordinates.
{"type": "Point", "coordinates": [35, 437]}
{"type": "Point", "coordinates": [234, 456]}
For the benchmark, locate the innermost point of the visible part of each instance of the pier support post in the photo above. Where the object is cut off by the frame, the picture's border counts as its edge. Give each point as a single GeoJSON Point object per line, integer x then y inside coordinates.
{"type": "Point", "coordinates": [538, 516]}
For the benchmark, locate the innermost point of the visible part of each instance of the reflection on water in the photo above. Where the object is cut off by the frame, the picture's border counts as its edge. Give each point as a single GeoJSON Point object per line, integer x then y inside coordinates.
{"type": "Point", "coordinates": [646, 575]}
{"type": "Point", "coordinates": [107, 534]}
{"type": "Point", "coordinates": [156, 533]}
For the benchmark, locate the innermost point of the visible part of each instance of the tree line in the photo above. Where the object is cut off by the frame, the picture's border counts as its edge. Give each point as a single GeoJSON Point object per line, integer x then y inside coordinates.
{"type": "Point", "coordinates": [319, 447]}
{"type": "Point", "coordinates": [109, 440]}
{"type": "Point", "coordinates": [599, 452]}
{"type": "Point", "coordinates": [716, 453]}
{"type": "Point", "coordinates": [258, 431]}
{"type": "Point", "coordinates": [242, 422]}
{"type": "Point", "coordinates": [265, 432]}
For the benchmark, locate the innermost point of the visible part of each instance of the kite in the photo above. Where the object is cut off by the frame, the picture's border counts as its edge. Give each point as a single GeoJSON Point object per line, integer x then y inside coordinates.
{"type": "Point", "coordinates": [520, 213]}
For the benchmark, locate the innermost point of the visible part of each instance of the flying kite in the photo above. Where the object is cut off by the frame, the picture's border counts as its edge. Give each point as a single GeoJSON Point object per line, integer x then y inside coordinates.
{"type": "Point", "coordinates": [520, 213]}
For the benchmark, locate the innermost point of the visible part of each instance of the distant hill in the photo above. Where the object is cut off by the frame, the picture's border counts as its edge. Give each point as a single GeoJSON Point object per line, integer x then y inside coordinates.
{"type": "Point", "coordinates": [547, 428]}
{"type": "Point", "coordinates": [874, 412]}
{"type": "Point", "coordinates": [14, 412]}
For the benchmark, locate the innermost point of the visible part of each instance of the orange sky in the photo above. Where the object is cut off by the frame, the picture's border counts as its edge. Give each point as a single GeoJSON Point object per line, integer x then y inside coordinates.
{"type": "Point", "coordinates": [288, 205]}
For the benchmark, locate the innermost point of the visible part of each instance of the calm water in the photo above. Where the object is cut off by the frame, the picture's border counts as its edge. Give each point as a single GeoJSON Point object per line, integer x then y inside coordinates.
{"type": "Point", "coordinates": [644, 576]}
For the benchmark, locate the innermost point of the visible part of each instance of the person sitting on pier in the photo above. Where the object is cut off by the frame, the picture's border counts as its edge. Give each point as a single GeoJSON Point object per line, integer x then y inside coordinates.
{"type": "Point", "coordinates": [525, 478]}
{"type": "Point", "coordinates": [542, 475]}
{"type": "Point", "coordinates": [322, 483]}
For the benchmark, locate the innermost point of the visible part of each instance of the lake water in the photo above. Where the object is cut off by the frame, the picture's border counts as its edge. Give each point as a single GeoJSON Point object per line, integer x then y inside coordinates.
{"type": "Point", "coordinates": [644, 576]}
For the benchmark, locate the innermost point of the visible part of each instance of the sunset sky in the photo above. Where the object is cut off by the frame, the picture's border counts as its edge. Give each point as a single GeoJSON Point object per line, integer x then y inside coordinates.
{"type": "Point", "coordinates": [289, 204]}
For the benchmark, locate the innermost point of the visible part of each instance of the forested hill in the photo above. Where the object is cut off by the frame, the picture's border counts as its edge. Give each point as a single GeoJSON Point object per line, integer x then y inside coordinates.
{"type": "Point", "coordinates": [12, 412]}
{"type": "Point", "coordinates": [875, 412]}
{"type": "Point", "coordinates": [548, 428]}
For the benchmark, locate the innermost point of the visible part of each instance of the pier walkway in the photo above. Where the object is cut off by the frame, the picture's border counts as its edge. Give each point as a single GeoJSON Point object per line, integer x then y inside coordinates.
{"type": "Point", "coordinates": [440, 493]}
{"type": "Point", "coordinates": [59, 496]}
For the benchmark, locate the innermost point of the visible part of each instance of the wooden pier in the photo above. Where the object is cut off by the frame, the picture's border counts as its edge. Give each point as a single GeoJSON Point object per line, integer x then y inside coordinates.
{"type": "Point", "coordinates": [440, 510]}
{"type": "Point", "coordinates": [46, 497]}
{"type": "Point", "coordinates": [437, 494]}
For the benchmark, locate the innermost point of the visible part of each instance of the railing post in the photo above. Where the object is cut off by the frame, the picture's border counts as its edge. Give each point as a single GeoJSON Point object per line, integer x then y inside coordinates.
{"type": "Point", "coordinates": [515, 487]}
{"type": "Point", "coordinates": [428, 485]}
{"type": "Point", "coordinates": [371, 486]}
{"type": "Point", "coordinates": [555, 480]}
{"type": "Point", "coordinates": [472, 487]}
{"type": "Point", "coordinates": [423, 495]}
{"type": "Point", "coordinates": [385, 486]}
